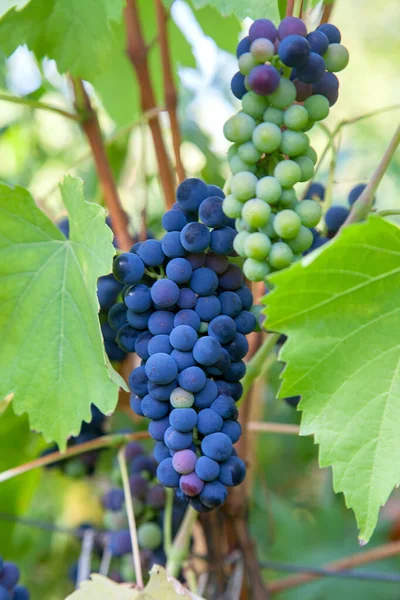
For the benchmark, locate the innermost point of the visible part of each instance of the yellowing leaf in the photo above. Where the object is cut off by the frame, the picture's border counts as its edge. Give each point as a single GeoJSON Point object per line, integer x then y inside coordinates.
{"type": "Point", "coordinates": [159, 587]}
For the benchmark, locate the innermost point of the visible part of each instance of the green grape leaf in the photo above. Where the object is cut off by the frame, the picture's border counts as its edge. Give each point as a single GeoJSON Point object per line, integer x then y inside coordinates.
{"type": "Point", "coordinates": [222, 29]}
{"type": "Point", "coordinates": [340, 309]}
{"type": "Point", "coordinates": [76, 34]}
{"type": "Point", "coordinates": [17, 446]}
{"type": "Point", "coordinates": [253, 8]}
{"type": "Point", "coordinates": [159, 586]}
{"type": "Point", "coordinates": [52, 356]}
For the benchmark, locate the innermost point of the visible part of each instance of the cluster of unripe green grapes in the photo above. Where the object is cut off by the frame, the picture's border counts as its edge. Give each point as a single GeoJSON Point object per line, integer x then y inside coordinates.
{"type": "Point", "coordinates": [271, 153]}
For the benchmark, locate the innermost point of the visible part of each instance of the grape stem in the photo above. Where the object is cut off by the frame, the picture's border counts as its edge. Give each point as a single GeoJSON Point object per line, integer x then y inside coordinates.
{"type": "Point", "coordinates": [168, 520]}
{"type": "Point", "coordinates": [290, 8]}
{"type": "Point", "coordinates": [137, 53]}
{"type": "Point", "coordinates": [35, 104]}
{"type": "Point", "coordinates": [363, 204]}
{"type": "Point", "coordinates": [131, 518]}
{"type": "Point", "coordinates": [180, 547]}
{"type": "Point", "coordinates": [256, 366]}
{"type": "Point", "coordinates": [105, 441]}
{"type": "Point", "coordinates": [91, 128]}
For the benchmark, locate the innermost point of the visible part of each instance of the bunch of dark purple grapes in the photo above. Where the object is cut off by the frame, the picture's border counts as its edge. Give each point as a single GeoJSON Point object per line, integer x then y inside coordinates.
{"type": "Point", "coordinates": [149, 502]}
{"type": "Point", "coordinates": [313, 59]}
{"type": "Point", "coordinates": [9, 577]}
{"type": "Point", "coordinates": [186, 313]}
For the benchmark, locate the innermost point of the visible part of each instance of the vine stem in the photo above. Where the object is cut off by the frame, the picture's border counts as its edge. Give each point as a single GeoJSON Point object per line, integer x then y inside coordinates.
{"type": "Point", "coordinates": [131, 517]}
{"type": "Point", "coordinates": [40, 106]}
{"type": "Point", "coordinates": [255, 366]}
{"type": "Point", "coordinates": [267, 427]}
{"type": "Point", "coordinates": [169, 504]}
{"type": "Point", "coordinates": [137, 53]}
{"type": "Point", "coordinates": [91, 128]}
{"type": "Point", "coordinates": [170, 95]}
{"type": "Point", "coordinates": [355, 560]}
{"type": "Point", "coordinates": [387, 212]}
{"type": "Point", "coordinates": [290, 8]}
{"type": "Point", "coordinates": [180, 547]}
{"type": "Point", "coordinates": [105, 441]}
{"type": "Point", "coordinates": [363, 204]}
{"type": "Point", "coordinates": [344, 123]}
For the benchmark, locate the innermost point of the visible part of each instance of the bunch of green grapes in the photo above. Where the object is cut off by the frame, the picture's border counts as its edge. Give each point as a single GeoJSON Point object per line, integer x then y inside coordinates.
{"type": "Point", "coordinates": [286, 84]}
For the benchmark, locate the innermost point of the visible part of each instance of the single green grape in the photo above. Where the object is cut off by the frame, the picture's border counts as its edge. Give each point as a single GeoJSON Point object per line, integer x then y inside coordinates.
{"type": "Point", "coordinates": [254, 105]}
{"type": "Point", "coordinates": [310, 153]}
{"type": "Point", "coordinates": [257, 245]}
{"type": "Point", "coordinates": [262, 50]}
{"type": "Point", "coordinates": [203, 327]}
{"type": "Point", "coordinates": [317, 107]}
{"type": "Point", "coordinates": [232, 151]}
{"type": "Point", "coordinates": [269, 189]}
{"type": "Point", "coordinates": [336, 58]}
{"type": "Point", "coordinates": [127, 569]}
{"type": "Point", "coordinates": [247, 84]}
{"type": "Point", "coordinates": [284, 95]}
{"type": "Point", "coordinates": [249, 153]}
{"type": "Point", "coordinates": [307, 167]}
{"type": "Point", "coordinates": [310, 212]}
{"type": "Point", "coordinates": [238, 242]}
{"type": "Point", "coordinates": [267, 137]}
{"type": "Point", "coordinates": [241, 225]}
{"type": "Point", "coordinates": [255, 270]}
{"type": "Point", "coordinates": [246, 63]}
{"type": "Point", "coordinates": [288, 198]}
{"type": "Point", "coordinates": [287, 172]}
{"type": "Point", "coordinates": [273, 115]}
{"type": "Point", "coordinates": [280, 256]}
{"type": "Point", "coordinates": [239, 128]}
{"type": "Point", "coordinates": [180, 398]}
{"type": "Point", "coordinates": [243, 186]}
{"type": "Point", "coordinates": [302, 241]}
{"type": "Point", "coordinates": [287, 224]}
{"type": "Point", "coordinates": [149, 536]}
{"type": "Point", "coordinates": [293, 143]}
{"type": "Point", "coordinates": [237, 165]}
{"type": "Point", "coordinates": [296, 117]}
{"type": "Point", "coordinates": [114, 521]}
{"type": "Point", "coordinates": [232, 207]}
{"type": "Point", "coordinates": [256, 212]}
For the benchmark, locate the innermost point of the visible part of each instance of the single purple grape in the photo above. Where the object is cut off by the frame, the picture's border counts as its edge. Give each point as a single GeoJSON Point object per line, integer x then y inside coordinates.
{"type": "Point", "coordinates": [184, 461]}
{"type": "Point", "coordinates": [291, 26]}
{"type": "Point", "coordinates": [264, 79]}
{"type": "Point", "coordinates": [191, 484]}
{"type": "Point", "coordinates": [262, 28]}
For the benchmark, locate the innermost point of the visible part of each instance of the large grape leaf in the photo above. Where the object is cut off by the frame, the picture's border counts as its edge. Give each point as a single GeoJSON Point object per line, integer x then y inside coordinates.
{"type": "Point", "coordinates": [76, 34]}
{"type": "Point", "coordinates": [160, 586]}
{"type": "Point", "coordinates": [340, 309]}
{"type": "Point", "coordinates": [52, 356]}
{"type": "Point", "coordinates": [255, 9]}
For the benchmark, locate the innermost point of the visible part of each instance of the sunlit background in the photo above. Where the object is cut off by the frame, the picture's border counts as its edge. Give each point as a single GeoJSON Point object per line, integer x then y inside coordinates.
{"type": "Point", "coordinates": [295, 515]}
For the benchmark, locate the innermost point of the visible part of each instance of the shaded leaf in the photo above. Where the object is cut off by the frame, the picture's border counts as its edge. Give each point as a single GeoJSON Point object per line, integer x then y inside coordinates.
{"type": "Point", "coordinates": [52, 356]}
{"type": "Point", "coordinates": [340, 309]}
{"type": "Point", "coordinates": [76, 34]}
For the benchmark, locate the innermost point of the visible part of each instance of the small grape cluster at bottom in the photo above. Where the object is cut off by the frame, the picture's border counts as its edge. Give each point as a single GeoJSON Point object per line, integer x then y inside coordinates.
{"type": "Point", "coordinates": [187, 315]}
{"type": "Point", "coordinates": [148, 502]}
{"type": "Point", "coordinates": [9, 587]}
